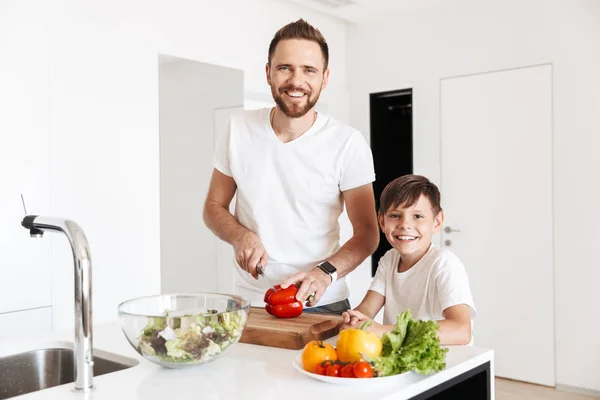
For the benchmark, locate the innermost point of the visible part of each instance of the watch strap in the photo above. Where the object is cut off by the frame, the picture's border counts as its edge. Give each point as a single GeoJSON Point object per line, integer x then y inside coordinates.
{"type": "Point", "coordinates": [329, 269]}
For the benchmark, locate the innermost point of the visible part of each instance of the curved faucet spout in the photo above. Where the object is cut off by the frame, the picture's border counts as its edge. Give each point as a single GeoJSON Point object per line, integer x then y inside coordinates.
{"type": "Point", "coordinates": [83, 349]}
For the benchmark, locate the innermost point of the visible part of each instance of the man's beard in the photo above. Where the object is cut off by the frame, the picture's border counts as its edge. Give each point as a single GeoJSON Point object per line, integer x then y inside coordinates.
{"type": "Point", "coordinates": [294, 110]}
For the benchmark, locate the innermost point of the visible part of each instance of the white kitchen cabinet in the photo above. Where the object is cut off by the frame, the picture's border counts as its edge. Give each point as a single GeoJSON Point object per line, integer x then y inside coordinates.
{"type": "Point", "coordinates": [33, 322]}
{"type": "Point", "coordinates": [24, 157]}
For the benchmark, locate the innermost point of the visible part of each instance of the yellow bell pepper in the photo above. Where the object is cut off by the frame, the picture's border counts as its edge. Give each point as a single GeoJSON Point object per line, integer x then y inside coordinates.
{"type": "Point", "coordinates": [353, 342]}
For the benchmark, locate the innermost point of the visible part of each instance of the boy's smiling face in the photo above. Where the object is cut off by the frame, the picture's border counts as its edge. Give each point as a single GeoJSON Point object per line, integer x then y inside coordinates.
{"type": "Point", "coordinates": [409, 229]}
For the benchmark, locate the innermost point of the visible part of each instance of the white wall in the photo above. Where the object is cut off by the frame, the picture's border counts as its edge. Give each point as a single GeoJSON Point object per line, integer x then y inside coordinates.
{"type": "Point", "coordinates": [104, 161]}
{"type": "Point", "coordinates": [230, 33]}
{"type": "Point", "coordinates": [93, 70]}
{"type": "Point", "coordinates": [461, 37]}
{"type": "Point", "coordinates": [25, 268]}
{"type": "Point", "coordinates": [189, 94]}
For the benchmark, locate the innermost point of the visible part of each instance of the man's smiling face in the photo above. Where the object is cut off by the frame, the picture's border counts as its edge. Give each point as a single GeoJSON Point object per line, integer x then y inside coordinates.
{"type": "Point", "coordinates": [296, 76]}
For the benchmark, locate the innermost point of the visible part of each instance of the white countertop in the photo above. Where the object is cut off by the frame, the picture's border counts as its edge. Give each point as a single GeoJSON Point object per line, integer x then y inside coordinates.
{"type": "Point", "coordinates": [245, 372]}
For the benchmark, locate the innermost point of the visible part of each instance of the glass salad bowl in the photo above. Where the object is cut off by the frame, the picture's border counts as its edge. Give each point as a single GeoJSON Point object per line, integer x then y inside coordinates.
{"type": "Point", "coordinates": [180, 330]}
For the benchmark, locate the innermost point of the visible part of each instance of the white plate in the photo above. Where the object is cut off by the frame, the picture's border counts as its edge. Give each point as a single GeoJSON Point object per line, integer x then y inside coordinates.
{"type": "Point", "coordinates": [406, 377]}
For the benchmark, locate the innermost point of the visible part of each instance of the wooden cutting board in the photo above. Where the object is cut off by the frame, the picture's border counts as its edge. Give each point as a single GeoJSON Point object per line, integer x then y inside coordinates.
{"type": "Point", "coordinates": [288, 333]}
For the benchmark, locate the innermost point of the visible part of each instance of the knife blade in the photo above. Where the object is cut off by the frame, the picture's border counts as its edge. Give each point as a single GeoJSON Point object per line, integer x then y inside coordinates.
{"type": "Point", "coordinates": [261, 271]}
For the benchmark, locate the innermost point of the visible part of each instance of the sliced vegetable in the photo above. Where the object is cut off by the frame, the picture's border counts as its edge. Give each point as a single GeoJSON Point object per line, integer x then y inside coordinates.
{"type": "Point", "coordinates": [282, 303]}
{"type": "Point", "coordinates": [281, 296]}
{"type": "Point", "coordinates": [190, 338]}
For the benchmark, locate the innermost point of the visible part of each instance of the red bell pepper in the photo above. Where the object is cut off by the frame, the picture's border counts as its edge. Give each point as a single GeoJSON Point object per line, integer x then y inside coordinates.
{"type": "Point", "coordinates": [282, 303]}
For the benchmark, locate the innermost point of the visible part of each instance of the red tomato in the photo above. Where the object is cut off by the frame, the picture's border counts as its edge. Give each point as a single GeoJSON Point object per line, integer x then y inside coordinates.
{"type": "Point", "coordinates": [322, 367]}
{"type": "Point", "coordinates": [348, 371]}
{"type": "Point", "coordinates": [333, 370]}
{"type": "Point", "coordinates": [362, 369]}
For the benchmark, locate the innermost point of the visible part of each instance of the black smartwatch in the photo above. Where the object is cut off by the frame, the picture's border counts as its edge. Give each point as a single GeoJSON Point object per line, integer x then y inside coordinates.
{"type": "Point", "coordinates": [329, 269]}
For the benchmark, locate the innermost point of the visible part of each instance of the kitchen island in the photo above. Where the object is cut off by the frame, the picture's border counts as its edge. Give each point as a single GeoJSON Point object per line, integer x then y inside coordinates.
{"type": "Point", "coordinates": [249, 372]}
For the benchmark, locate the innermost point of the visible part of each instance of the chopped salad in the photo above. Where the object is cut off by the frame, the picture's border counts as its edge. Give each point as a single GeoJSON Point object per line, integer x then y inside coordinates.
{"type": "Point", "coordinates": [191, 338]}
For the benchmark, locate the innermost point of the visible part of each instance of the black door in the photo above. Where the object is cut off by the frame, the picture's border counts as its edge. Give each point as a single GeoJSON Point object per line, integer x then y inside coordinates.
{"type": "Point", "coordinates": [391, 143]}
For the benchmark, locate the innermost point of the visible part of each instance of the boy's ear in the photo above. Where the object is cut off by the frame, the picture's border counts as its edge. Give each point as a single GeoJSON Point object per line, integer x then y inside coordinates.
{"type": "Point", "coordinates": [438, 222]}
{"type": "Point", "coordinates": [380, 219]}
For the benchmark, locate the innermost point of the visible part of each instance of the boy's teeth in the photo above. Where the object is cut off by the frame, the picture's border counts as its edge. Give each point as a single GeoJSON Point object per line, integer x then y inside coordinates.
{"type": "Point", "coordinates": [405, 237]}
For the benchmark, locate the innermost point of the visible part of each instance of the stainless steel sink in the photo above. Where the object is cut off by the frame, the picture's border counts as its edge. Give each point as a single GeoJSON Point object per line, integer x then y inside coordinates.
{"type": "Point", "coordinates": [45, 368]}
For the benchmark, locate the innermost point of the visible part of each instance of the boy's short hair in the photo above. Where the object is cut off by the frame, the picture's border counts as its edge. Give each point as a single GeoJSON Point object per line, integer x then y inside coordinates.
{"type": "Point", "coordinates": [406, 191]}
{"type": "Point", "coordinates": [300, 30]}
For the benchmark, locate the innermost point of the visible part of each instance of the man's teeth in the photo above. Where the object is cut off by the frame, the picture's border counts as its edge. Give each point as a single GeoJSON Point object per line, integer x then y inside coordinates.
{"type": "Point", "coordinates": [406, 237]}
{"type": "Point", "coordinates": [295, 94]}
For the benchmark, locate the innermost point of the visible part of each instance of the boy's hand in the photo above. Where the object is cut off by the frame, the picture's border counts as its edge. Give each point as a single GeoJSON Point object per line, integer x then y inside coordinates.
{"type": "Point", "coordinates": [353, 319]}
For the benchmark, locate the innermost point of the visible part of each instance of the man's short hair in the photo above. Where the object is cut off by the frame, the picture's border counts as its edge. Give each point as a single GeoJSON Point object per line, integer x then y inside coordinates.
{"type": "Point", "coordinates": [300, 30]}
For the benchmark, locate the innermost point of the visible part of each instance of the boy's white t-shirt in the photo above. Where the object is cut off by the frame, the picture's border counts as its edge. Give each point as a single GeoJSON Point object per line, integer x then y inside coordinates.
{"type": "Point", "coordinates": [290, 194]}
{"type": "Point", "coordinates": [437, 281]}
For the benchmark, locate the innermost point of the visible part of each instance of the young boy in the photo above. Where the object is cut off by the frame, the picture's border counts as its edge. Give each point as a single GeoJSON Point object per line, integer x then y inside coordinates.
{"type": "Point", "coordinates": [415, 274]}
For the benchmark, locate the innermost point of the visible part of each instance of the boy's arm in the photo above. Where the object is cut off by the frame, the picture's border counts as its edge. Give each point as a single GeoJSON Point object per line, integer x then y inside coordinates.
{"type": "Point", "coordinates": [455, 329]}
{"type": "Point", "coordinates": [367, 310]}
{"type": "Point", "coordinates": [371, 304]}
{"type": "Point", "coordinates": [456, 301]}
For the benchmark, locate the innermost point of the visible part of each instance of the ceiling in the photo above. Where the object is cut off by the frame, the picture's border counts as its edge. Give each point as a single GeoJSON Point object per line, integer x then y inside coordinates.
{"type": "Point", "coordinates": [366, 11]}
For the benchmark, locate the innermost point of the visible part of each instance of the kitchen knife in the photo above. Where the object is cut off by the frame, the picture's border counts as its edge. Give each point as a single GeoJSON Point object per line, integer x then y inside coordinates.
{"type": "Point", "coordinates": [261, 271]}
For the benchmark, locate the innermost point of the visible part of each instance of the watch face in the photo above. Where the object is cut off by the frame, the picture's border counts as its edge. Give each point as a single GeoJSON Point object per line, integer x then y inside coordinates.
{"type": "Point", "coordinates": [330, 269]}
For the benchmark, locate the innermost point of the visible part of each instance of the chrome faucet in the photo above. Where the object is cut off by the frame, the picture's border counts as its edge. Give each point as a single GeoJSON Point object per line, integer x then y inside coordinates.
{"type": "Point", "coordinates": [83, 351]}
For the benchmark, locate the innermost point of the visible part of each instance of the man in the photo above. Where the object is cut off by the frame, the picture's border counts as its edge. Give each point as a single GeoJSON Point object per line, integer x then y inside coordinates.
{"type": "Point", "coordinates": [293, 170]}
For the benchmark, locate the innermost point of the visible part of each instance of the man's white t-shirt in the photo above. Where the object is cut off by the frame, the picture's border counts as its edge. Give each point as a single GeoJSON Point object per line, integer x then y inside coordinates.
{"type": "Point", "coordinates": [290, 194]}
{"type": "Point", "coordinates": [437, 281]}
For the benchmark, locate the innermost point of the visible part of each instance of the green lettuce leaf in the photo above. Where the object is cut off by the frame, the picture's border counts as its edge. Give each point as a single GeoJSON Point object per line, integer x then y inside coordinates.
{"type": "Point", "coordinates": [175, 350]}
{"type": "Point", "coordinates": [154, 324]}
{"type": "Point", "coordinates": [410, 345]}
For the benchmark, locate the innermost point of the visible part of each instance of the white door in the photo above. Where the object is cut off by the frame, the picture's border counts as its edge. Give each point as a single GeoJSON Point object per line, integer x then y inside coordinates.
{"type": "Point", "coordinates": [225, 255]}
{"type": "Point", "coordinates": [496, 156]}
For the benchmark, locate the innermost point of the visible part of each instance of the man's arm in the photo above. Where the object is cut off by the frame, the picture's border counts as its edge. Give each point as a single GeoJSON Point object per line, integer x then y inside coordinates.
{"type": "Point", "coordinates": [248, 248]}
{"type": "Point", "coordinates": [360, 205]}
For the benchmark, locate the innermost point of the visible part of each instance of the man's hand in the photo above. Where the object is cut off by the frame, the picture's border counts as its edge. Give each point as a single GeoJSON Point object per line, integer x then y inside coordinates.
{"type": "Point", "coordinates": [250, 252]}
{"type": "Point", "coordinates": [314, 282]}
{"type": "Point", "coordinates": [353, 319]}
